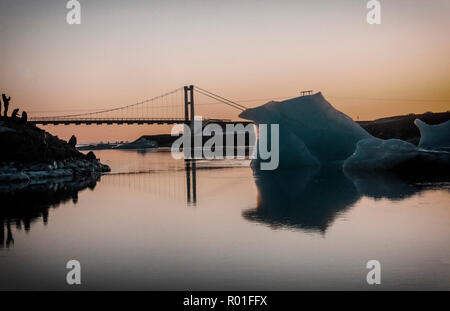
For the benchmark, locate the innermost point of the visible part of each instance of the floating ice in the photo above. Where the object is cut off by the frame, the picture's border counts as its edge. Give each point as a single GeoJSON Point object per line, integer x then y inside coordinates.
{"type": "Point", "coordinates": [434, 137]}
{"type": "Point", "coordinates": [313, 132]}
{"type": "Point", "coordinates": [374, 154]}
{"type": "Point", "coordinates": [312, 126]}
{"type": "Point", "coordinates": [292, 151]}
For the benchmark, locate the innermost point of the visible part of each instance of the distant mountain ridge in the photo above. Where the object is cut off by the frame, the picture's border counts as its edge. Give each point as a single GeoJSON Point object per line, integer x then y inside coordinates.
{"type": "Point", "coordinates": [403, 127]}
{"type": "Point", "coordinates": [162, 140]}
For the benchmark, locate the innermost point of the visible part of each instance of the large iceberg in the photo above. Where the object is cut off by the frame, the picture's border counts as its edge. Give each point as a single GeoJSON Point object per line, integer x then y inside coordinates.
{"type": "Point", "coordinates": [292, 151]}
{"type": "Point", "coordinates": [319, 132]}
{"type": "Point", "coordinates": [314, 133]}
{"type": "Point", "coordinates": [434, 137]}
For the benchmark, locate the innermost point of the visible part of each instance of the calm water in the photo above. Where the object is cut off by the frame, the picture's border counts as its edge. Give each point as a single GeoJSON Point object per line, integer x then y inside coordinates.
{"type": "Point", "coordinates": [155, 224]}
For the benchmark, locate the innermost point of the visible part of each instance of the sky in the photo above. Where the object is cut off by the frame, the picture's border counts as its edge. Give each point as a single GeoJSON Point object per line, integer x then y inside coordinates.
{"type": "Point", "coordinates": [248, 51]}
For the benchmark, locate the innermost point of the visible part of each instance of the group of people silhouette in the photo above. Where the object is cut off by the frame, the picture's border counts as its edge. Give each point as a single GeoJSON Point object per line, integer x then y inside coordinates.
{"type": "Point", "coordinates": [6, 100]}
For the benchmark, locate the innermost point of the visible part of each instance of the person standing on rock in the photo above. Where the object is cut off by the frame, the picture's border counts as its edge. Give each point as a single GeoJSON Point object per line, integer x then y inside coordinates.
{"type": "Point", "coordinates": [14, 113]}
{"type": "Point", "coordinates": [6, 103]}
{"type": "Point", "coordinates": [24, 117]}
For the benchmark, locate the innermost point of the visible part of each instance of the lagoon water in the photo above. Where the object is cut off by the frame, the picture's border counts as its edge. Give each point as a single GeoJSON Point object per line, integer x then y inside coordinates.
{"type": "Point", "coordinates": [155, 223]}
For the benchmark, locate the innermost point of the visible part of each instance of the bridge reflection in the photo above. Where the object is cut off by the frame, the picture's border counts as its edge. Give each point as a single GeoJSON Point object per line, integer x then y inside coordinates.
{"type": "Point", "coordinates": [23, 206]}
{"type": "Point", "coordinates": [165, 183]}
{"type": "Point", "coordinates": [191, 176]}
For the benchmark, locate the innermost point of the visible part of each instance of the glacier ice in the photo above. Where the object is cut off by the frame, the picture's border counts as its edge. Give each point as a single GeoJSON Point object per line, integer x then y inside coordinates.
{"type": "Point", "coordinates": [434, 137]}
{"type": "Point", "coordinates": [292, 151]}
{"type": "Point", "coordinates": [314, 133]}
{"type": "Point", "coordinates": [327, 134]}
{"type": "Point", "coordinates": [378, 154]}
{"type": "Point", "coordinates": [374, 154]}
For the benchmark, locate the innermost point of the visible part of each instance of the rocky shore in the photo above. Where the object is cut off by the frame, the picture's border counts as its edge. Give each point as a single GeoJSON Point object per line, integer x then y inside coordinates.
{"type": "Point", "coordinates": [41, 172]}
{"type": "Point", "coordinates": [30, 155]}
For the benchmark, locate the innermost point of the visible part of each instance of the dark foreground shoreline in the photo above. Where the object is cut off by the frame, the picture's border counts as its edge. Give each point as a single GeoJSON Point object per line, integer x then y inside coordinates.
{"type": "Point", "coordinates": [32, 156]}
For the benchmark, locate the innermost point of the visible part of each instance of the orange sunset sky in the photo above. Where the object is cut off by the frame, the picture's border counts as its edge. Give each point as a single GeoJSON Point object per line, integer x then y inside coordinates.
{"type": "Point", "coordinates": [248, 51]}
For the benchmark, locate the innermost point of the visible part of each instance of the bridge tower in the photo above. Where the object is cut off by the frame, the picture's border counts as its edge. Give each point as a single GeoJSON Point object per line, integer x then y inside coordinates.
{"type": "Point", "coordinates": [189, 118]}
{"type": "Point", "coordinates": [189, 112]}
{"type": "Point", "coordinates": [189, 102]}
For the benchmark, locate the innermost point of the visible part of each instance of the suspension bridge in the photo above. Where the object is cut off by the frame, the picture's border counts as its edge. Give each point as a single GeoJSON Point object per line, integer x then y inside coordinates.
{"type": "Point", "coordinates": [175, 107]}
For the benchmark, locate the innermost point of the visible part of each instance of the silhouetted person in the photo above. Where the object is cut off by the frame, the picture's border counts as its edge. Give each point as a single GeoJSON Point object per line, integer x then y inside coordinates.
{"type": "Point", "coordinates": [24, 117]}
{"type": "Point", "coordinates": [6, 103]}
{"type": "Point", "coordinates": [14, 113]}
{"type": "Point", "coordinates": [0, 108]}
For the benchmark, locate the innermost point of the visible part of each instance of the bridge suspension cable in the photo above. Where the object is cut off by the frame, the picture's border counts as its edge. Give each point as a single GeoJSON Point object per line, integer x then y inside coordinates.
{"type": "Point", "coordinates": [133, 106]}
{"type": "Point", "coordinates": [220, 98]}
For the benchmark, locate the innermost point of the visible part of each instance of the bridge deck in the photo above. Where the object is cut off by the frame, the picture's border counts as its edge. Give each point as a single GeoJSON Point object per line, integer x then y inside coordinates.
{"type": "Point", "coordinates": [127, 121]}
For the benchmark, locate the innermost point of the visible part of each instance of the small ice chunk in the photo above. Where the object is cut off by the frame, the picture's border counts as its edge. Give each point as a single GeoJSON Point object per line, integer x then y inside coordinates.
{"type": "Point", "coordinates": [374, 154]}
{"type": "Point", "coordinates": [434, 137]}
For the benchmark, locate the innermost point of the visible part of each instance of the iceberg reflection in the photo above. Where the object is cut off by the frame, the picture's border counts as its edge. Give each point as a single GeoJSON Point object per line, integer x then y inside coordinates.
{"type": "Point", "coordinates": [310, 200]}
{"type": "Point", "coordinates": [305, 199]}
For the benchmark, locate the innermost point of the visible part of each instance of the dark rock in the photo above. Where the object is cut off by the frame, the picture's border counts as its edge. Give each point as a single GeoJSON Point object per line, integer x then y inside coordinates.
{"type": "Point", "coordinates": [105, 168]}
{"type": "Point", "coordinates": [13, 177]}
{"type": "Point", "coordinates": [91, 156]}
{"type": "Point", "coordinates": [73, 141]}
{"type": "Point", "coordinates": [40, 167]}
{"type": "Point", "coordinates": [25, 143]}
{"type": "Point", "coordinates": [30, 155]}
